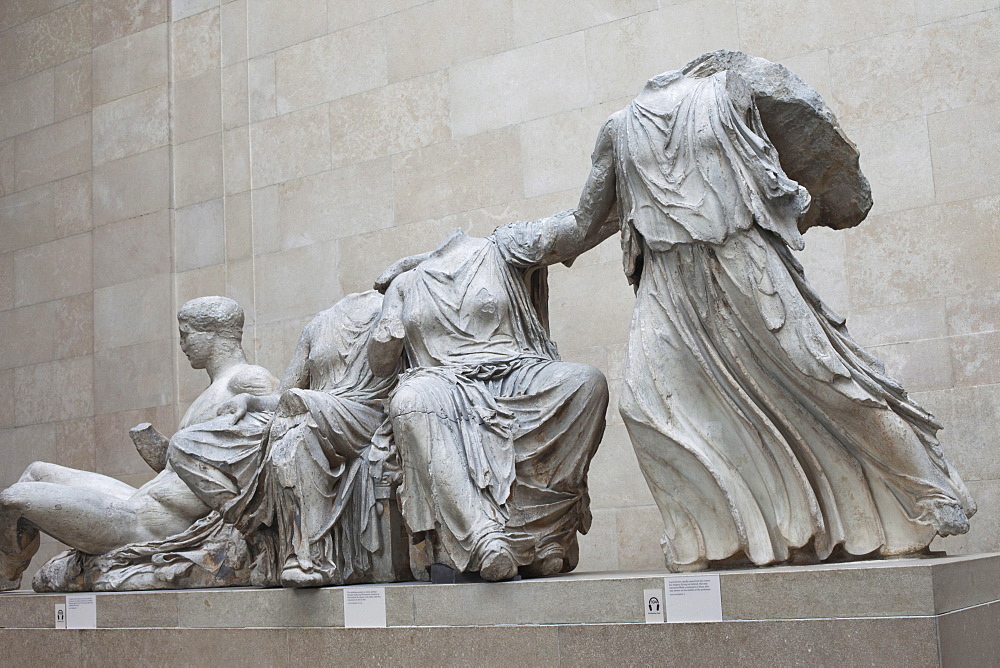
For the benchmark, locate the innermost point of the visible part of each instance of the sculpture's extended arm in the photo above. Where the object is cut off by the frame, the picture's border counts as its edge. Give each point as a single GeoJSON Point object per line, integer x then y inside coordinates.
{"type": "Point", "coordinates": [567, 234]}
{"type": "Point", "coordinates": [398, 267]}
{"type": "Point", "coordinates": [239, 405]}
{"type": "Point", "coordinates": [296, 375]}
{"type": "Point", "coordinates": [386, 344]}
{"type": "Point", "coordinates": [596, 216]}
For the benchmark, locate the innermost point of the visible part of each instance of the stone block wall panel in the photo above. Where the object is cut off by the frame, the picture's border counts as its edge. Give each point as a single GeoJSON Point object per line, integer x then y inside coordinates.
{"type": "Point", "coordinates": [327, 68]}
{"type": "Point", "coordinates": [132, 187]}
{"type": "Point", "coordinates": [390, 119]}
{"type": "Point", "coordinates": [114, 19]}
{"type": "Point", "coordinates": [538, 21]}
{"type": "Point", "coordinates": [549, 77]}
{"type": "Point", "coordinates": [197, 106]}
{"type": "Point", "coordinates": [196, 44]}
{"type": "Point", "coordinates": [131, 125]}
{"type": "Point", "coordinates": [48, 40]}
{"type": "Point", "coordinates": [52, 152]}
{"type": "Point", "coordinates": [27, 104]}
{"type": "Point", "coordinates": [235, 95]}
{"type": "Point", "coordinates": [16, 12]}
{"type": "Point", "coordinates": [435, 35]}
{"type": "Point", "coordinates": [130, 64]}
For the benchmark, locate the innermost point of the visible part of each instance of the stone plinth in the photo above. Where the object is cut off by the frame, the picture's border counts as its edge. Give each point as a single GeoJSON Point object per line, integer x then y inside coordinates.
{"type": "Point", "coordinates": [918, 612]}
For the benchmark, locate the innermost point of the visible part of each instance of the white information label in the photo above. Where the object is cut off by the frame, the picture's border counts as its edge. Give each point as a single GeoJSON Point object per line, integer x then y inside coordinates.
{"type": "Point", "coordinates": [364, 607]}
{"type": "Point", "coordinates": [60, 615]}
{"type": "Point", "coordinates": [81, 611]}
{"type": "Point", "coordinates": [652, 605]}
{"type": "Point", "coordinates": [693, 598]}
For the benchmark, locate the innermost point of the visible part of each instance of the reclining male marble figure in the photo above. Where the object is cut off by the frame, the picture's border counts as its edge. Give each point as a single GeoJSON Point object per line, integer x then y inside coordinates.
{"type": "Point", "coordinates": [97, 514]}
{"type": "Point", "coordinates": [495, 433]}
{"type": "Point", "coordinates": [295, 470]}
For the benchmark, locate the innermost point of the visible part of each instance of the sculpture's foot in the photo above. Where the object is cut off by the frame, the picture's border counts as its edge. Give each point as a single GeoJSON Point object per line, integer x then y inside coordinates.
{"type": "Point", "coordinates": [294, 576]}
{"type": "Point", "coordinates": [693, 567]}
{"type": "Point", "coordinates": [948, 519]}
{"type": "Point", "coordinates": [803, 556]}
{"type": "Point", "coordinates": [551, 565]}
{"type": "Point", "coordinates": [9, 585]}
{"type": "Point", "coordinates": [550, 561]}
{"type": "Point", "coordinates": [498, 564]}
{"type": "Point", "coordinates": [298, 578]}
{"type": "Point", "coordinates": [10, 568]}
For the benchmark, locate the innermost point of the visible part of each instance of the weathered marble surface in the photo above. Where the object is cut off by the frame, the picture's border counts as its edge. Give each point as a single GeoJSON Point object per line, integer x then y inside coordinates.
{"type": "Point", "coordinates": [765, 433]}
{"type": "Point", "coordinates": [159, 535]}
{"type": "Point", "coordinates": [908, 81]}
{"type": "Point", "coordinates": [494, 432]}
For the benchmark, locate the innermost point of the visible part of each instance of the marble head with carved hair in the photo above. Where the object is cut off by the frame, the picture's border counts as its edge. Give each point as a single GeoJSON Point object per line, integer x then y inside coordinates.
{"type": "Point", "coordinates": [218, 315]}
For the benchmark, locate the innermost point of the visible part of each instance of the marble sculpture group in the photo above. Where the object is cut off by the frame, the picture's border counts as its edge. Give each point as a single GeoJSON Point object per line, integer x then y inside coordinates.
{"type": "Point", "coordinates": [431, 421]}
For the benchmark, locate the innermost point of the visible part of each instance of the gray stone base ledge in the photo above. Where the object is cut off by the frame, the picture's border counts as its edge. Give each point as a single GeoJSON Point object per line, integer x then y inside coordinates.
{"type": "Point", "coordinates": [926, 587]}
{"type": "Point", "coordinates": [913, 612]}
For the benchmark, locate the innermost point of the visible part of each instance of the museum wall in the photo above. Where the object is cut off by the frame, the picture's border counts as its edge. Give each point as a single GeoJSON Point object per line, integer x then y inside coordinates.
{"type": "Point", "coordinates": [283, 152]}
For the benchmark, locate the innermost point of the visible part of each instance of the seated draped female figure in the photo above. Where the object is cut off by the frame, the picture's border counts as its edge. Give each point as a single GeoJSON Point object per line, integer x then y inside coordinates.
{"type": "Point", "coordinates": [295, 470]}
{"type": "Point", "coordinates": [495, 433]}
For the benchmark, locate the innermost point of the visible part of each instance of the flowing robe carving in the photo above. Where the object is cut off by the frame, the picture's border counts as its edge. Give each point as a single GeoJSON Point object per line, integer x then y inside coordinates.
{"type": "Point", "coordinates": [494, 432]}
{"type": "Point", "coordinates": [764, 431]}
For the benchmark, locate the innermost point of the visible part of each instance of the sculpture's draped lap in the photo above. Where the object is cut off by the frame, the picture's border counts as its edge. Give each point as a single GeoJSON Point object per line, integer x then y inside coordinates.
{"type": "Point", "coordinates": [764, 431]}
{"type": "Point", "coordinates": [495, 433]}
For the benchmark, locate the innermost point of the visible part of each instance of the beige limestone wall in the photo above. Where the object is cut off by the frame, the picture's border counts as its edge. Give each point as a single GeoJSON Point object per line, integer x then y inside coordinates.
{"type": "Point", "coordinates": [283, 152]}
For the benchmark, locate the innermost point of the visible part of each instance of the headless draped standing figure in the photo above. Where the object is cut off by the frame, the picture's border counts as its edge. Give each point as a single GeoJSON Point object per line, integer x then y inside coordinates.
{"type": "Point", "coordinates": [765, 433]}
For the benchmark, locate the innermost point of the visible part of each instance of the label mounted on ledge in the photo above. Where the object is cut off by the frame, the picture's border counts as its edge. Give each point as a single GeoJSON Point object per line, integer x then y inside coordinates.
{"type": "Point", "coordinates": [693, 598]}
{"type": "Point", "coordinates": [60, 615]}
{"type": "Point", "coordinates": [81, 611]}
{"type": "Point", "coordinates": [652, 605]}
{"type": "Point", "coordinates": [364, 607]}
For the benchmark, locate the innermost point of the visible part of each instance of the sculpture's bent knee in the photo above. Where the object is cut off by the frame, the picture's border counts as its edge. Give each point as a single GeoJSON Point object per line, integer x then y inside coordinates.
{"type": "Point", "coordinates": [591, 384]}
{"type": "Point", "coordinates": [417, 394]}
{"type": "Point", "coordinates": [14, 497]}
{"type": "Point", "coordinates": [590, 377]}
{"type": "Point", "coordinates": [35, 471]}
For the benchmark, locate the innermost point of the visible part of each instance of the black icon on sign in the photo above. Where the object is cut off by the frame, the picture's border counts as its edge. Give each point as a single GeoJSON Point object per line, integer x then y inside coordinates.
{"type": "Point", "coordinates": [60, 615]}
{"type": "Point", "coordinates": [653, 604]}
